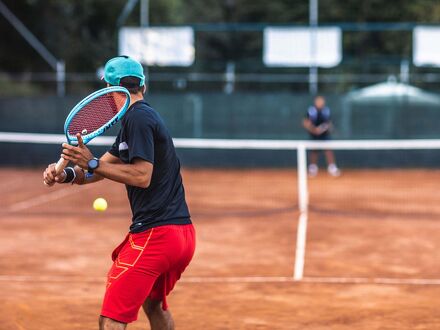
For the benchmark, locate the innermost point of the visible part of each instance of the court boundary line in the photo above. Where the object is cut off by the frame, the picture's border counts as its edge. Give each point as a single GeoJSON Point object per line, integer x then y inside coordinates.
{"type": "Point", "coordinates": [240, 279]}
{"type": "Point", "coordinates": [300, 253]}
{"type": "Point", "coordinates": [45, 198]}
{"type": "Point", "coordinates": [12, 184]}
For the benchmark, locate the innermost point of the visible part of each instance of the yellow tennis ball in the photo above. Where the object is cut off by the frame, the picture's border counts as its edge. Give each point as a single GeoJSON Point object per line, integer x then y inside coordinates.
{"type": "Point", "coordinates": [100, 204]}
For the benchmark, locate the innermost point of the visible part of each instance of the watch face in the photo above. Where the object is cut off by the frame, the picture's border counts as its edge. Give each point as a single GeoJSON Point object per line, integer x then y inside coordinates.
{"type": "Point", "coordinates": [93, 163]}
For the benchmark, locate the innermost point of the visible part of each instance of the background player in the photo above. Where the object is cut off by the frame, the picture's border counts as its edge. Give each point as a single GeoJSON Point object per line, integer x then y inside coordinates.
{"type": "Point", "coordinates": [318, 123]}
{"type": "Point", "coordinates": [161, 241]}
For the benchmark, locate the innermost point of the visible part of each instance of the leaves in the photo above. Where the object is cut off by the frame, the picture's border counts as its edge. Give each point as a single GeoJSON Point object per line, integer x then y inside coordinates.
{"type": "Point", "coordinates": [84, 33]}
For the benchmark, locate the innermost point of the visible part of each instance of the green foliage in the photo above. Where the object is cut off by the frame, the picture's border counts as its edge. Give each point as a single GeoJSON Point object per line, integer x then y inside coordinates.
{"type": "Point", "coordinates": [84, 33]}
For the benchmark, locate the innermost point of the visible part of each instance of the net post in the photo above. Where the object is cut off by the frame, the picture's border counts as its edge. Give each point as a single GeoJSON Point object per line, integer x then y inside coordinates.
{"type": "Point", "coordinates": [197, 108]}
{"type": "Point", "coordinates": [61, 78]}
{"type": "Point", "coordinates": [302, 178]}
{"type": "Point", "coordinates": [313, 69]}
{"type": "Point", "coordinates": [144, 13]}
{"type": "Point", "coordinates": [302, 221]}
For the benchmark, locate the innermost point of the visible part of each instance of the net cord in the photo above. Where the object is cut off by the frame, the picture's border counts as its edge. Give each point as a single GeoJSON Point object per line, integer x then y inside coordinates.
{"type": "Point", "coordinates": [184, 143]}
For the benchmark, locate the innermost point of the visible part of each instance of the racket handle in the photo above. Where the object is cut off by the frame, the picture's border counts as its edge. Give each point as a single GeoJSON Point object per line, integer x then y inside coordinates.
{"type": "Point", "coordinates": [61, 165]}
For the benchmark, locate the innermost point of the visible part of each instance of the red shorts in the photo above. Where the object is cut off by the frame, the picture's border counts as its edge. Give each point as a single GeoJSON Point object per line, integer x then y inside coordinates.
{"type": "Point", "coordinates": [146, 264]}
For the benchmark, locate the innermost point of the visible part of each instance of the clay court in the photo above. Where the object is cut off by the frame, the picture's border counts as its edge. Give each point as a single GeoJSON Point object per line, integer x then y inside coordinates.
{"type": "Point", "coordinates": [371, 258]}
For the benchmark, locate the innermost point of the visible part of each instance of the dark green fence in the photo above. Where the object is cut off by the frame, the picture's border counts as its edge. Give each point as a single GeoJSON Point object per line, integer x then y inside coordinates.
{"type": "Point", "coordinates": [234, 116]}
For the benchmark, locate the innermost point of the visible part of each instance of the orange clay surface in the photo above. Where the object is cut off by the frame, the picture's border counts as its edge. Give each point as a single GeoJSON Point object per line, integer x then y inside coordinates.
{"type": "Point", "coordinates": [363, 227]}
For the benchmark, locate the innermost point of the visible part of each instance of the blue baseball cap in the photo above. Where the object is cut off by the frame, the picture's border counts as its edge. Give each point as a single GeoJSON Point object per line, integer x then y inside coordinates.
{"type": "Point", "coordinates": [120, 67]}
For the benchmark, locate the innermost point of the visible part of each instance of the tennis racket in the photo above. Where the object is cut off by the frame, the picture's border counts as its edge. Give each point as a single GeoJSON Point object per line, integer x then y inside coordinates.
{"type": "Point", "coordinates": [94, 115]}
{"type": "Point", "coordinates": [324, 128]}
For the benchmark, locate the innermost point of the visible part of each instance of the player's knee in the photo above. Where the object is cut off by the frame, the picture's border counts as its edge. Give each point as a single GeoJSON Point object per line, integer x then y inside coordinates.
{"type": "Point", "coordinates": [152, 307]}
{"type": "Point", "coordinates": [108, 324]}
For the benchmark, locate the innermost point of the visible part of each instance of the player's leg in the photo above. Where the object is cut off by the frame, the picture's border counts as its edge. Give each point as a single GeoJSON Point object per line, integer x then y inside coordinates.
{"type": "Point", "coordinates": [158, 318]}
{"type": "Point", "coordinates": [330, 157]}
{"type": "Point", "coordinates": [136, 267]}
{"type": "Point", "coordinates": [108, 324]}
{"type": "Point", "coordinates": [331, 163]}
{"type": "Point", "coordinates": [179, 248]}
{"type": "Point", "coordinates": [313, 162]}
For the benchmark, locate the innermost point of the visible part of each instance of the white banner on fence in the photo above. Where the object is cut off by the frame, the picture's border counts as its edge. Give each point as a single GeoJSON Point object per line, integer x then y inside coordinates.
{"type": "Point", "coordinates": [302, 47]}
{"type": "Point", "coordinates": [426, 46]}
{"type": "Point", "coordinates": [161, 46]}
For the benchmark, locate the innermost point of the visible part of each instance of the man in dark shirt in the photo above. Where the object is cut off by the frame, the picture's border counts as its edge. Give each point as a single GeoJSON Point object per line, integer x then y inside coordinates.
{"type": "Point", "coordinates": [318, 123]}
{"type": "Point", "coordinates": [161, 241]}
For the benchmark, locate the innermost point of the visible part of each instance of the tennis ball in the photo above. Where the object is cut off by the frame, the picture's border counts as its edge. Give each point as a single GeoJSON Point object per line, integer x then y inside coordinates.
{"type": "Point", "coordinates": [100, 204]}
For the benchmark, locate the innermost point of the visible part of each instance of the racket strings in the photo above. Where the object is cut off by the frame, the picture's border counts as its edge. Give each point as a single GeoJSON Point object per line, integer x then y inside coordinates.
{"type": "Point", "coordinates": [97, 113]}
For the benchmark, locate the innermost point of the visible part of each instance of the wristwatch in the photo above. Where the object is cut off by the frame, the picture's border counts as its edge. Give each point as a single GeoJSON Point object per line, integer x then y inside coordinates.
{"type": "Point", "coordinates": [92, 165]}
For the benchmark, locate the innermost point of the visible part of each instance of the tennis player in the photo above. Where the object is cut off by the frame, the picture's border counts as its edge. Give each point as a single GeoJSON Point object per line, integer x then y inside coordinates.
{"type": "Point", "coordinates": [318, 123]}
{"type": "Point", "coordinates": [161, 240]}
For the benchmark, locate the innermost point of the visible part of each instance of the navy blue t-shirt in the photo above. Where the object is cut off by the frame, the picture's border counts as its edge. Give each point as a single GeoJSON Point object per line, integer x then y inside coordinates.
{"type": "Point", "coordinates": [319, 117]}
{"type": "Point", "coordinates": [143, 135]}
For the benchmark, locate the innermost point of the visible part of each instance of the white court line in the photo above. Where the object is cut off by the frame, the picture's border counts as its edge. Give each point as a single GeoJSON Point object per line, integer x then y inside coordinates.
{"type": "Point", "coordinates": [237, 280]}
{"type": "Point", "coordinates": [300, 247]}
{"type": "Point", "coordinates": [377, 280]}
{"type": "Point", "coordinates": [45, 198]}
{"type": "Point", "coordinates": [8, 185]}
{"type": "Point", "coordinates": [316, 280]}
{"type": "Point", "coordinates": [58, 279]}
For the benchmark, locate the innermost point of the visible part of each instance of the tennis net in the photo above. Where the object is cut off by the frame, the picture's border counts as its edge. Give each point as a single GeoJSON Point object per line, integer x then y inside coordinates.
{"type": "Point", "coordinates": [410, 167]}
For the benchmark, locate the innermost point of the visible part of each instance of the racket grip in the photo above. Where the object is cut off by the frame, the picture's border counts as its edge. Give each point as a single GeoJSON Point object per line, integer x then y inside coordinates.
{"type": "Point", "coordinates": [61, 165]}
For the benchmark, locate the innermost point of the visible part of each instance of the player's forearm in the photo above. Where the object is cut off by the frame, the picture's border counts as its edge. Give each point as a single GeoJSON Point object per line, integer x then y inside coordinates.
{"type": "Point", "coordinates": [81, 177]}
{"type": "Point", "coordinates": [128, 174]}
{"type": "Point", "coordinates": [307, 124]}
{"type": "Point", "coordinates": [310, 128]}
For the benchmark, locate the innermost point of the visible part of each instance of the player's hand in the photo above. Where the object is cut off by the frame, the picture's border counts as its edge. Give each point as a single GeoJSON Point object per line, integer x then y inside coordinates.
{"type": "Point", "coordinates": [50, 176]}
{"type": "Point", "coordinates": [315, 130]}
{"type": "Point", "coordinates": [322, 128]}
{"type": "Point", "coordinates": [79, 155]}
